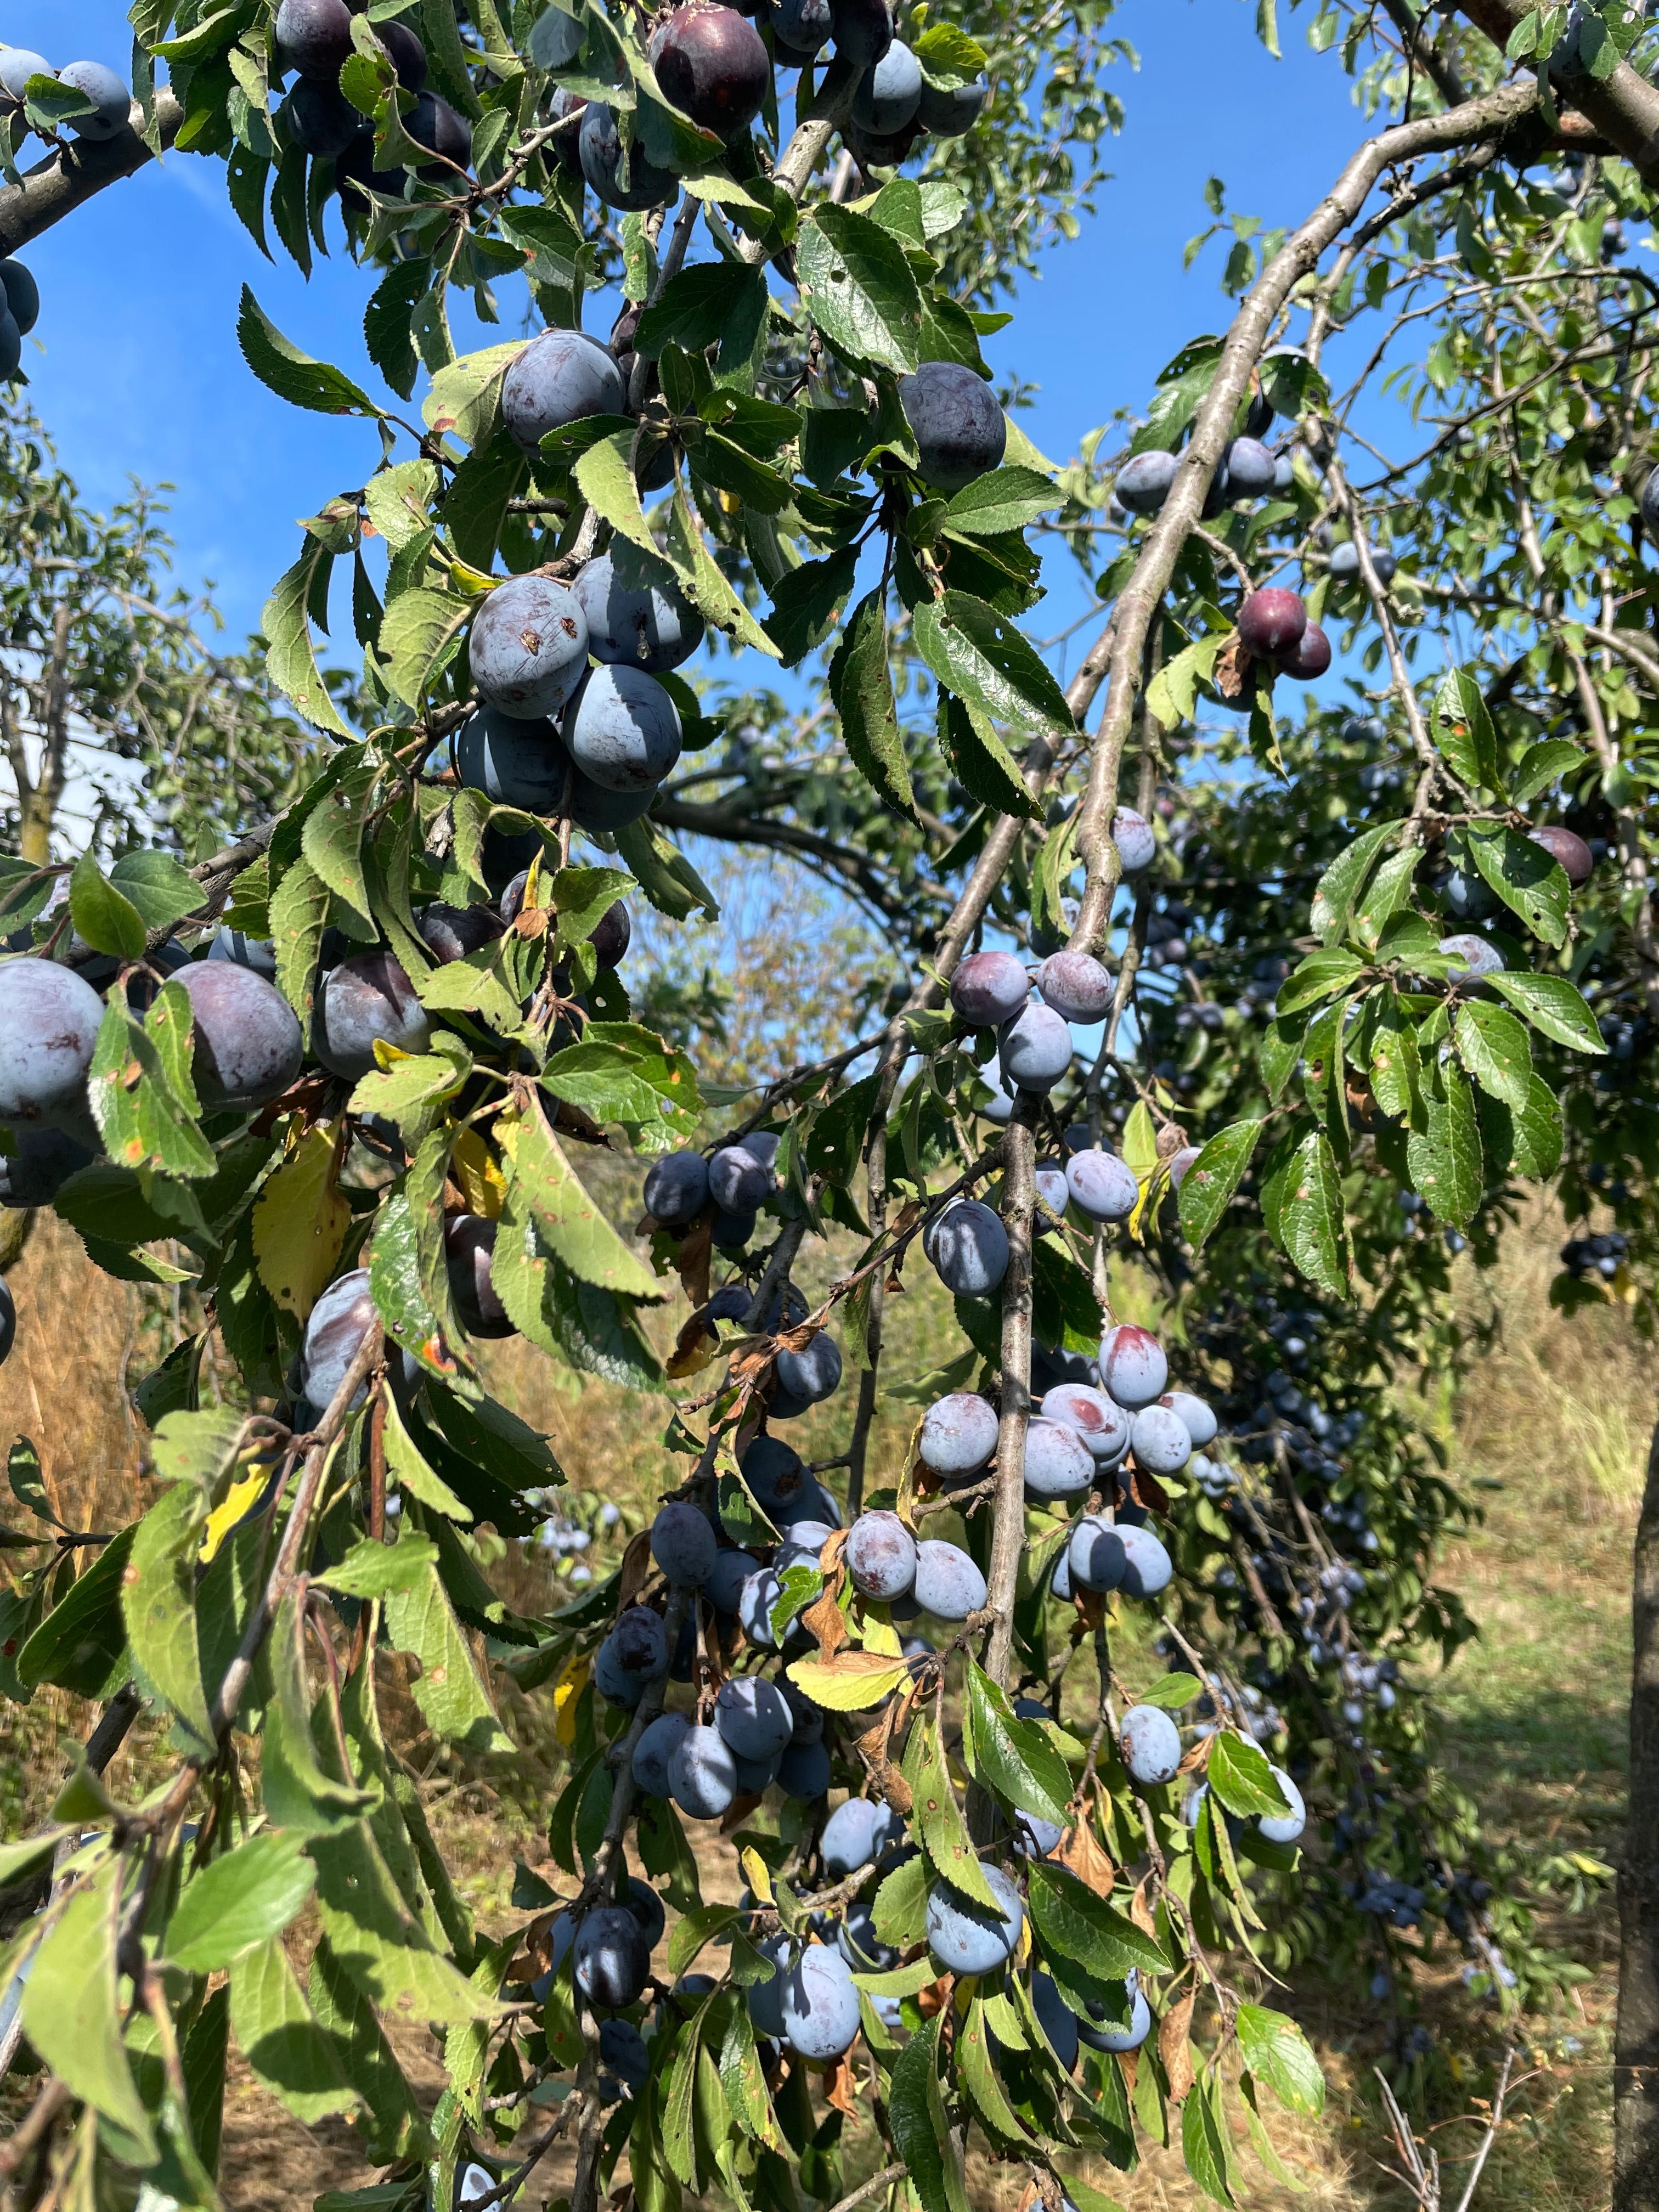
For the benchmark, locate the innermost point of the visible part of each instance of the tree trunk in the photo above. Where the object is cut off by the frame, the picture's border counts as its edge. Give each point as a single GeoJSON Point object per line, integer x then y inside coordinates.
{"type": "Point", "coordinates": [1635, 2050]}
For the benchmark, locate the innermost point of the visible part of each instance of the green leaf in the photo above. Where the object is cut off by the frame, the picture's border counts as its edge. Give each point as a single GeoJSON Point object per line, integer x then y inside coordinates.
{"type": "Point", "coordinates": [948, 57]}
{"type": "Point", "coordinates": [1527, 1138]}
{"type": "Point", "coordinates": [977, 2077]}
{"type": "Point", "coordinates": [1312, 1226]}
{"type": "Point", "coordinates": [143, 1122]}
{"type": "Point", "coordinates": [1463, 730]}
{"type": "Point", "coordinates": [158, 1602]}
{"type": "Point", "coordinates": [72, 2010]}
{"type": "Point", "coordinates": [862, 690]}
{"type": "Point", "coordinates": [416, 632]}
{"type": "Point", "coordinates": [452, 1699]}
{"type": "Point", "coordinates": [1074, 1921]}
{"type": "Point", "coordinates": [1205, 2143]}
{"type": "Point", "coordinates": [387, 323]}
{"type": "Point", "coordinates": [663, 873]}
{"type": "Point", "coordinates": [806, 604]}
{"type": "Point", "coordinates": [567, 1219]}
{"type": "Point", "coordinates": [591, 1327]}
{"type": "Point", "coordinates": [154, 882]}
{"type": "Point", "coordinates": [1241, 1777]}
{"type": "Point", "coordinates": [1016, 1757]}
{"type": "Point", "coordinates": [1172, 1692]}
{"type": "Point", "coordinates": [1337, 893]}
{"type": "Point", "coordinates": [697, 307]}
{"type": "Point", "coordinates": [1525, 876]}
{"type": "Point", "coordinates": [1445, 1155]}
{"type": "Point", "coordinates": [290, 657]}
{"type": "Point", "coordinates": [291, 374]}
{"type": "Point", "coordinates": [745, 2082]}
{"type": "Point", "coordinates": [939, 1816]}
{"type": "Point", "coordinates": [371, 1569]}
{"type": "Point", "coordinates": [1212, 1178]}
{"type": "Point", "coordinates": [924, 2146]}
{"type": "Point", "coordinates": [989, 663]}
{"type": "Point", "coordinates": [1002, 499]}
{"type": "Point", "coordinates": [857, 286]}
{"type": "Point", "coordinates": [78, 1643]}
{"type": "Point", "coordinates": [465, 397]}
{"type": "Point", "coordinates": [900, 1911]}
{"type": "Point", "coordinates": [980, 761]}
{"type": "Point", "coordinates": [296, 2059]}
{"type": "Point", "coordinates": [1495, 1050]}
{"type": "Point", "coordinates": [1542, 764]}
{"type": "Point", "coordinates": [1555, 1007]}
{"type": "Point", "coordinates": [109, 922]}
{"type": "Point", "coordinates": [379, 1943]}
{"type": "Point", "coordinates": [706, 583]}
{"type": "Point", "coordinates": [605, 478]}
{"type": "Point", "coordinates": [1323, 974]}
{"type": "Point", "coordinates": [1276, 2051]}
{"type": "Point", "coordinates": [245, 1898]}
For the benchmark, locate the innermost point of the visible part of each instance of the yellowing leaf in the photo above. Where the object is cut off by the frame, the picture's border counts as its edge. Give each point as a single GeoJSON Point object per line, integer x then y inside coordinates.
{"type": "Point", "coordinates": [756, 1874]}
{"type": "Point", "coordinates": [478, 1175]}
{"type": "Point", "coordinates": [851, 1682]}
{"type": "Point", "coordinates": [230, 1508]}
{"type": "Point", "coordinates": [300, 1222]}
{"type": "Point", "coordinates": [566, 1692]}
{"type": "Point", "coordinates": [881, 1636]}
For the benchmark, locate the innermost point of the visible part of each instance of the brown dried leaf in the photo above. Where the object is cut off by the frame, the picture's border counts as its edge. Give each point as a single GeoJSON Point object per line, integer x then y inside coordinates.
{"type": "Point", "coordinates": [636, 1568]}
{"type": "Point", "coordinates": [1140, 1912]}
{"type": "Point", "coordinates": [1130, 2061]}
{"type": "Point", "coordinates": [1081, 1849]}
{"type": "Point", "coordinates": [1196, 1756]}
{"type": "Point", "coordinates": [693, 1348]}
{"type": "Point", "coordinates": [839, 2087]}
{"type": "Point", "coordinates": [1147, 1491]}
{"type": "Point", "coordinates": [1235, 669]}
{"type": "Point", "coordinates": [1175, 2049]}
{"type": "Point", "coordinates": [1091, 1604]}
{"type": "Point", "coordinates": [825, 1621]}
{"type": "Point", "coordinates": [936, 1997]}
{"type": "Point", "coordinates": [1171, 1139]}
{"type": "Point", "coordinates": [694, 1259]}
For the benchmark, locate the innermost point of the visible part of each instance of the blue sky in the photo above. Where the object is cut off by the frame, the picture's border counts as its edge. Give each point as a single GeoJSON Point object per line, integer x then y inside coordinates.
{"type": "Point", "coordinates": [139, 371]}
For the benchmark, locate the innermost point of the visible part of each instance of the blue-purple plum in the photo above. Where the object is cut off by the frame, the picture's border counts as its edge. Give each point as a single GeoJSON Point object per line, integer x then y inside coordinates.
{"type": "Point", "coordinates": [22, 303]}
{"type": "Point", "coordinates": [622, 728]}
{"type": "Point", "coordinates": [657, 1745]}
{"type": "Point", "coordinates": [759, 1593]}
{"type": "Point", "coordinates": [651, 627]}
{"type": "Point", "coordinates": [959, 429]}
{"type": "Point", "coordinates": [965, 1937]}
{"type": "Point", "coordinates": [752, 1715]}
{"type": "Point", "coordinates": [863, 29]}
{"type": "Point", "coordinates": [1102, 1186]}
{"type": "Point", "coordinates": [612, 1959]}
{"type": "Point", "coordinates": [321, 121]}
{"type": "Point", "coordinates": [952, 111]}
{"type": "Point", "coordinates": [889, 93]}
{"type": "Point", "coordinates": [1103, 1426]}
{"type": "Point", "coordinates": [623, 2051]}
{"type": "Point", "coordinates": [755, 1776]}
{"type": "Point", "coordinates": [1051, 1198]}
{"type": "Point", "coordinates": [676, 1188]}
{"type": "Point", "coordinates": [1133, 1370]}
{"type": "Point", "coordinates": [599, 149]}
{"type": "Point", "coordinates": [810, 1376]}
{"type": "Point", "coordinates": [1159, 1440]}
{"type": "Point", "coordinates": [702, 1773]}
{"type": "Point", "coordinates": [112, 100]}
{"type": "Point", "coordinates": [1145, 481]}
{"type": "Point", "coordinates": [682, 1544]}
{"type": "Point", "coordinates": [803, 1544]}
{"type": "Point", "coordinates": [1194, 1416]}
{"type": "Point", "coordinates": [514, 761]}
{"type": "Point", "coordinates": [808, 1717]}
{"type": "Point", "coordinates": [1034, 1837]}
{"type": "Point", "coordinates": [731, 1231]}
{"type": "Point", "coordinates": [766, 1998]}
{"type": "Point", "coordinates": [335, 1330]}
{"type": "Point", "coordinates": [725, 1585]}
{"type": "Point", "coordinates": [820, 2007]}
{"type": "Point", "coordinates": [712, 63]}
{"type": "Point", "coordinates": [1000, 1108]}
{"type": "Point", "coordinates": [852, 1835]}
{"type": "Point", "coordinates": [804, 1771]}
{"type": "Point", "coordinates": [647, 1908]}
{"type": "Point", "coordinates": [1060, 1580]}
{"type": "Point", "coordinates": [249, 1047]}
{"type": "Point", "coordinates": [49, 1018]}
{"type": "Point", "coordinates": [799, 27]}
{"type": "Point", "coordinates": [1474, 956]}
{"type": "Point", "coordinates": [41, 1161]}
{"type": "Point", "coordinates": [468, 1251]}
{"type": "Point", "coordinates": [990, 989]}
{"type": "Point", "coordinates": [881, 1556]}
{"type": "Point", "coordinates": [1095, 1557]}
{"type": "Point", "coordinates": [737, 1180]}
{"type": "Point", "coordinates": [858, 1942]}
{"type": "Point", "coordinates": [1058, 1462]}
{"type": "Point", "coordinates": [1137, 847]}
{"type": "Point", "coordinates": [314, 37]}
{"type": "Point", "coordinates": [528, 647]}
{"type": "Point", "coordinates": [1055, 2018]}
{"type": "Point", "coordinates": [959, 1435]}
{"type": "Point", "coordinates": [1147, 1567]}
{"type": "Point", "coordinates": [1076, 986]}
{"type": "Point", "coordinates": [445, 133]}
{"type": "Point", "coordinates": [365, 1001]}
{"type": "Point", "coordinates": [969, 1248]}
{"type": "Point", "coordinates": [1285, 1827]}
{"type": "Point", "coordinates": [1247, 469]}
{"type": "Point", "coordinates": [1149, 1743]}
{"type": "Point", "coordinates": [1034, 1050]}
{"type": "Point", "coordinates": [1099, 2037]}
{"type": "Point", "coordinates": [405, 54]}
{"type": "Point", "coordinates": [773, 1471]}
{"type": "Point", "coordinates": [634, 1655]}
{"type": "Point", "coordinates": [452, 932]}
{"type": "Point", "coordinates": [561, 376]}
{"type": "Point", "coordinates": [948, 1584]}
{"type": "Point", "coordinates": [17, 65]}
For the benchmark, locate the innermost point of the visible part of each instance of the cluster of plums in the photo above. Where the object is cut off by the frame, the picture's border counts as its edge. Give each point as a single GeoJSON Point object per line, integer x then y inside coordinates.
{"type": "Point", "coordinates": [727, 1188]}
{"type": "Point", "coordinates": [109, 94]}
{"type": "Point", "coordinates": [314, 40]}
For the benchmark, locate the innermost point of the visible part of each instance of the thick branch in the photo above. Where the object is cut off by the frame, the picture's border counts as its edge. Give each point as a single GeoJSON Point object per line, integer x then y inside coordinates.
{"type": "Point", "coordinates": [1623, 107]}
{"type": "Point", "coordinates": [69, 177]}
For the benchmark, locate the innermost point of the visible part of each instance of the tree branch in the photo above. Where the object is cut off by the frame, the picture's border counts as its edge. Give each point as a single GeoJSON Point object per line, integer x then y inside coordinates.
{"type": "Point", "coordinates": [71, 175]}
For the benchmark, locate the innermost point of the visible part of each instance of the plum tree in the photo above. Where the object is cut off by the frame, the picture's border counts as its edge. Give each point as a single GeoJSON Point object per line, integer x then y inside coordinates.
{"type": "Point", "coordinates": [365, 1001]}
{"type": "Point", "coordinates": [560, 377]}
{"type": "Point", "coordinates": [249, 1046]}
{"type": "Point", "coordinates": [959, 429]}
{"type": "Point", "coordinates": [527, 648]}
{"type": "Point", "coordinates": [1150, 1744]}
{"type": "Point", "coordinates": [881, 1556]}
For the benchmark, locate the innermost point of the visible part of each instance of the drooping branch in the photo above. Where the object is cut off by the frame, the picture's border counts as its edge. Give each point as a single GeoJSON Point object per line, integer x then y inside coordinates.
{"type": "Point", "coordinates": [76, 172]}
{"type": "Point", "coordinates": [1622, 107]}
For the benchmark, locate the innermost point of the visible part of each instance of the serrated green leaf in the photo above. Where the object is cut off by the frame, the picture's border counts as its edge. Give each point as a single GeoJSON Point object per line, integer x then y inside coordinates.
{"type": "Point", "coordinates": [108, 921]}
{"type": "Point", "coordinates": [1528, 879]}
{"type": "Point", "coordinates": [939, 1816]}
{"type": "Point", "coordinates": [1495, 1050]}
{"type": "Point", "coordinates": [1555, 1007]}
{"type": "Point", "coordinates": [1073, 1920]}
{"type": "Point", "coordinates": [291, 374]}
{"type": "Point", "coordinates": [1002, 499]}
{"type": "Point", "coordinates": [1463, 730]}
{"type": "Point", "coordinates": [290, 657]}
{"type": "Point", "coordinates": [296, 2059]}
{"type": "Point", "coordinates": [158, 1602]}
{"type": "Point", "coordinates": [71, 2007]}
{"type": "Point", "coordinates": [245, 1897]}
{"type": "Point", "coordinates": [986, 662]}
{"type": "Point", "coordinates": [1445, 1155]}
{"type": "Point", "coordinates": [1312, 1226]}
{"type": "Point", "coordinates": [862, 690]}
{"type": "Point", "coordinates": [1276, 2051]}
{"type": "Point", "coordinates": [925, 2147]}
{"type": "Point", "coordinates": [1212, 1178]}
{"type": "Point", "coordinates": [858, 286]}
{"type": "Point", "coordinates": [1015, 1757]}
{"type": "Point", "coordinates": [452, 1698]}
{"type": "Point", "coordinates": [1542, 764]}
{"type": "Point", "coordinates": [1241, 1777]}
{"type": "Point", "coordinates": [567, 1219]}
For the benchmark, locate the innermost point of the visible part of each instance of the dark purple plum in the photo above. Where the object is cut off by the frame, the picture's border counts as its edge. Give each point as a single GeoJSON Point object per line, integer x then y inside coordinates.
{"type": "Point", "coordinates": [852, 1835]}
{"type": "Point", "coordinates": [1149, 1743]}
{"type": "Point", "coordinates": [804, 1771]}
{"type": "Point", "coordinates": [610, 935]}
{"type": "Point", "coordinates": [990, 988]}
{"type": "Point", "coordinates": [682, 1544]}
{"type": "Point", "coordinates": [1271, 623]}
{"type": "Point", "coordinates": [405, 54]}
{"type": "Point", "coordinates": [49, 1018]}
{"type": "Point", "coordinates": [321, 120]}
{"type": "Point", "coordinates": [612, 1959]}
{"type": "Point", "coordinates": [41, 1162]}
{"type": "Point", "coordinates": [952, 111]}
{"type": "Point", "coordinates": [948, 1584]}
{"type": "Point", "coordinates": [528, 650]}
{"type": "Point", "coordinates": [799, 27]}
{"type": "Point", "coordinates": [1147, 1567]}
{"type": "Point", "coordinates": [632, 1656]}
{"type": "Point", "coordinates": [1137, 847]}
{"type": "Point", "coordinates": [1247, 468]}
{"type": "Point", "coordinates": [651, 627]}
{"type": "Point", "coordinates": [1102, 1185]}
{"type": "Point", "coordinates": [1145, 482]}
{"type": "Point", "coordinates": [514, 762]}
{"type": "Point", "coordinates": [600, 150]}
{"type": "Point", "coordinates": [737, 1180]}
{"type": "Point", "coordinates": [1310, 658]}
{"type": "Point", "coordinates": [725, 1585]}
{"type": "Point", "coordinates": [954, 417]}
{"type": "Point", "coordinates": [811, 1376]}
{"type": "Point", "coordinates": [702, 1774]}
{"type": "Point", "coordinates": [863, 30]}
{"type": "Point", "coordinates": [1133, 1370]}
{"type": "Point", "coordinates": [820, 2005]}
{"type": "Point", "coordinates": [969, 1248]}
{"type": "Point", "coordinates": [362, 1002]}
{"type": "Point", "coordinates": [469, 1247]}
{"type": "Point", "coordinates": [753, 1716]}
{"type": "Point", "coordinates": [1095, 1557]}
{"type": "Point", "coordinates": [881, 1556]}
{"type": "Point", "coordinates": [656, 1746]}
{"type": "Point", "coordinates": [452, 932]}
{"type": "Point", "coordinates": [621, 728]}
{"type": "Point", "coordinates": [773, 1471]}
{"type": "Point", "coordinates": [712, 63]}
{"type": "Point", "coordinates": [1564, 847]}
{"type": "Point", "coordinates": [966, 1937]}
{"type": "Point", "coordinates": [335, 1330]}
{"type": "Point", "coordinates": [676, 1188]}
{"type": "Point", "coordinates": [434, 125]}
{"type": "Point", "coordinates": [1034, 1051]}
{"type": "Point", "coordinates": [889, 93]}
{"type": "Point", "coordinates": [560, 377]}
{"type": "Point", "coordinates": [1058, 1462]}
{"type": "Point", "coordinates": [249, 1047]}
{"type": "Point", "coordinates": [1076, 986]}
{"type": "Point", "coordinates": [8, 1321]}
{"type": "Point", "coordinates": [759, 1593]}
{"type": "Point", "coordinates": [624, 2053]}
{"type": "Point", "coordinates": [314, 37]}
